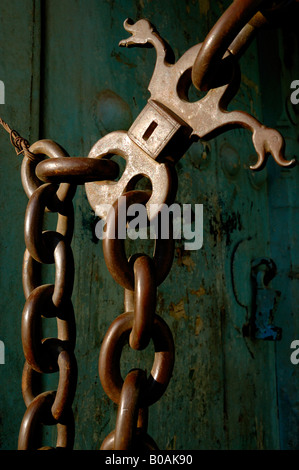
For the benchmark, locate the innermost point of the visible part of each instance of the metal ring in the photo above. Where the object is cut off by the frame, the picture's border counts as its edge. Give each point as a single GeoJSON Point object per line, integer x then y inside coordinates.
{"type": "Point", "coordinates": [66, 325]}
{"type": "Point", "coordinates": [51, 203]}
{"type": "Point", "coordinates": [66, 385]}
{"type": "Point", "coordinates": [76, 170]}
{"type": "Point", "coordinates": [28, 383]}
{"type": "Point", "coordinates": [67, 382]}
{"type": "Point", "coordinates": [36, 350]}
{"type": "Point", "coordinates": [64, 269]}
{"type": "Point", "coordinates": [67, 366]}
{"type": "Point", "coordinates": [144, 302]}
{"type": "Point", "coordinates": [65, 224]}
{"type": "Point", "coordinates": [31, 274]}
{"type": "Point", "coordinates": [142, 442]}
{"type": "Point", "coordinates": [127, 414]}
{"type": "Point", "coordinates": [141, 439]}
{"type": "Point", "coordinates": [114, 251]}
{"type": "Point", "coordinates": [33, 233]}
{"type": "Point", "coordinates": [29, 179]}
{"type": "Point", "coordinates": [51, 149]}
{"type": "Point", "coordinates": [34, 222]}
{"type": "Point", "coordinates": [109, 360]}
{"type": "Point", "coordinates": [39, 411]}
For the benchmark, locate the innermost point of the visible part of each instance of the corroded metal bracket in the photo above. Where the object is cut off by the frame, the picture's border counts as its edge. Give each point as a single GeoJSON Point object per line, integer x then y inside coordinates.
{"type": "Point", "coordinates": [170, 123]}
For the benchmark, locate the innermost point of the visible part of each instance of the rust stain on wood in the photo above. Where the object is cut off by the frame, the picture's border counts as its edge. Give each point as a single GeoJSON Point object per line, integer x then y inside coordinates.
{"type": "Point", "coordinates": [177, 311]}
{"type": "Point", "coordinates": [199, 292]}
{"type": "Point", "coordinates": [198, 325]}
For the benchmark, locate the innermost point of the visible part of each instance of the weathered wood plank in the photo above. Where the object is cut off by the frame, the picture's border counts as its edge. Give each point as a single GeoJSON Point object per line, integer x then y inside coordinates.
{"type": "Point", "coordinates": [284, 222]}
{"type": "Point", "coordinates": [19, 70]}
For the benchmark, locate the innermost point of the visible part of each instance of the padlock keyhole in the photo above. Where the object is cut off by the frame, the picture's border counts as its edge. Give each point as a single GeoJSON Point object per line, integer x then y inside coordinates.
{"type": "Point", "coordinates": [149, 130]}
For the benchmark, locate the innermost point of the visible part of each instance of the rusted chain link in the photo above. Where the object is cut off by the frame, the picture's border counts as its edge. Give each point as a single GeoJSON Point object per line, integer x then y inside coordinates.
{"type": "Point", "coordinates": [48, 301]}
{"type": "Point", "coordinates": [51, 300]}
{"type": "Point", "coordinates": [109, 361]}
{"type": "Point", "coordinates": [140, 276]}
{"type": "Point", "coordinates": [114, 250]}
{"type": "Point", "coordinates": [37, 413]}
{"type": "Point", "coordinates": [128, 409]}
{"type": "Point", "coordinates": [145, 288]}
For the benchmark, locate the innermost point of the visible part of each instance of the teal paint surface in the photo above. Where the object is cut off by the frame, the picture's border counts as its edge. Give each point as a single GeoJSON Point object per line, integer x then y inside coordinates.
{"type": "Point", "coordinates": [66, 79]}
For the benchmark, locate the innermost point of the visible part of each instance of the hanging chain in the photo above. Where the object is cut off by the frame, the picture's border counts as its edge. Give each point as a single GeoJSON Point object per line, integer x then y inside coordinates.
{"type": "Point", "coordinates": [48, 355]}
{"type": "Point", "coordinates": [49, 301]}
{"type": "Point", "coordinates": [140, 275]}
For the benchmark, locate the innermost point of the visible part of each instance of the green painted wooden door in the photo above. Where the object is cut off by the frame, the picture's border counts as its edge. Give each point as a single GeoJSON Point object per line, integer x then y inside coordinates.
{"type": "Point", "coordinates": [66, 79]}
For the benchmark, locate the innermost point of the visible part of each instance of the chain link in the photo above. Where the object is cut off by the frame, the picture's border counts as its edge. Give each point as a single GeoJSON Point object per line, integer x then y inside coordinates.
{"type": "Point", "coordinates": [51, 188]}
{"type": "Point", "coordinates": [140, 275]}
{"type": "Point", "coordinates": [120, 268]}
{"type": "Point", "coordinates": [47, 355]}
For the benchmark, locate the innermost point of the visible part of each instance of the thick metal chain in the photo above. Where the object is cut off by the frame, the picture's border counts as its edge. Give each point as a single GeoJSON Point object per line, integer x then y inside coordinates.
{"type": "Point", "coordinates": [48, 301]}
{"type": "Point", "coordinates": [140, 276]}
{"type": "Point", "coordinates": [51, 300]}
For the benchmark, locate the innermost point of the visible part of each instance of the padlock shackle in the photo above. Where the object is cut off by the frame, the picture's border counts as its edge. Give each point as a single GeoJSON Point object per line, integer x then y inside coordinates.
{"type": "Point", "coordinates": [231, 25]}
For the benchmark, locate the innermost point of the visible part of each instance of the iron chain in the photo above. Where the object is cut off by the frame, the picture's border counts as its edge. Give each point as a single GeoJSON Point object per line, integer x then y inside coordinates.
{"type": "Point", "coordinates": [140, 276]}
{"type": "Point", "coordinates": [47, 355]}
{"type": "Point", "coordinates": [48, 301]}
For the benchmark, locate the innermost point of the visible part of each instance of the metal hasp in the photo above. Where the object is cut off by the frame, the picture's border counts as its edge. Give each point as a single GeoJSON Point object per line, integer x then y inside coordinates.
{"type": "Point", "coordinates": [170, 123]}
{"type": "Point", "coordinates": [263, 270]}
